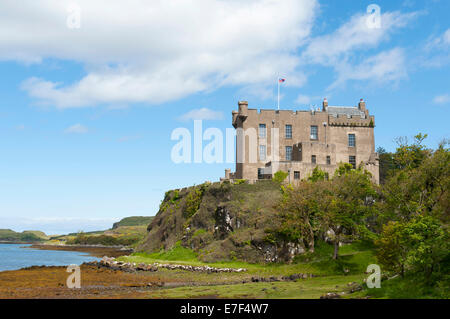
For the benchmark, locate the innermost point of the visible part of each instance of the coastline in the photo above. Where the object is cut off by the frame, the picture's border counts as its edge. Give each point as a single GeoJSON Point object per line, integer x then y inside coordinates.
{"type": "Point", "coordinates": [96, 251]}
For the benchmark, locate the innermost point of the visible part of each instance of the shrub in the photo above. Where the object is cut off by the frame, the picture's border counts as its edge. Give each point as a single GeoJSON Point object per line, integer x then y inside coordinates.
{"type": "Point", "coordinates": [280, 176]}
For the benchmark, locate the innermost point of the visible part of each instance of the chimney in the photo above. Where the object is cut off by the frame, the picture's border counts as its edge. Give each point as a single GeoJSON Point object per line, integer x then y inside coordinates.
{"type": "Point", "coordinates": [324, 104]}
{"type": "Point", "coordinates": [362, 105]}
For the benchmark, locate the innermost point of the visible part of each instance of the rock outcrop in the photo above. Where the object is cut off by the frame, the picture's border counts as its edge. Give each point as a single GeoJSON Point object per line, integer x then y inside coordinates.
{"type": "Point", "coordinates": [220, 221]}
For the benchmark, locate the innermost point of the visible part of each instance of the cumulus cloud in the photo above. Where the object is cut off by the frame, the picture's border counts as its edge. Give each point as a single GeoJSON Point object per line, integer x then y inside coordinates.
{"type": "Point", "coordinates": [442, 99]}
{"type": "Point", "coordinates": [341, 49]}
{"type": "Point", "coordinates": [155, 51]}
{"type": "Point", "coordinates": [354, 35]}
{"type": "Point", "coordinates": [76, 129]}
{"type": "Point", "coordinates": [387, 66]}
{"type": "Point", "coordinates": [202, 114]}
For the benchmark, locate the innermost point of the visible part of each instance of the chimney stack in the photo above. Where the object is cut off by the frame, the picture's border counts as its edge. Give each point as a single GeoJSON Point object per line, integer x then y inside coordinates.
{"type": "Point", "coordinates": [362, 105]}
{"type": "Point", "coordinates": [324, 104]}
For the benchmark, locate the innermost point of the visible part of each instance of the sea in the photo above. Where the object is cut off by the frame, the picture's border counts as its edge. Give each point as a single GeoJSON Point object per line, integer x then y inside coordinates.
{"type": "Point", "coordinates": [16, 256]}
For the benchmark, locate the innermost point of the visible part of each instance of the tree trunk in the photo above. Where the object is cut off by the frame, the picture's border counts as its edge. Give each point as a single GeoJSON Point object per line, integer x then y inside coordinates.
{"type": "Point", "coordinates": [311, 242]}
{"type": "Point", "coordinates": [336, 248]}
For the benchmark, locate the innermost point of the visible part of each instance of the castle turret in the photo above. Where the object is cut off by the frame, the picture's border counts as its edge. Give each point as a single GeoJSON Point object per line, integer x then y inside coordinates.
{"type": "Point", "coordinates": [243, 109]}
{"type": "Point", "coordinates": [362, 105]}
{"type": "Point", "coordinates": [324, 104]}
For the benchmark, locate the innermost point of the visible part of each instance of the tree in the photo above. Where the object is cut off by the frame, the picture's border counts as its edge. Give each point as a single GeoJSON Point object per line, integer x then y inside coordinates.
{"type": "Point", "coordinates": [387, 165]}
{"type": "Point", "coordinates": [408, 155]}
{"type": "Point", "coordinates": [298, 211]}
{"type": "Point", "coordinates": [421, 187]}
{"type": "Point", "coordinates": [313, 208]}
{"type": "Point", "coordinates": [420, 244]}
{"type": "Point", "coordinates": [346, 202]}
{"type": "Point", "coordinates": [393, 247]}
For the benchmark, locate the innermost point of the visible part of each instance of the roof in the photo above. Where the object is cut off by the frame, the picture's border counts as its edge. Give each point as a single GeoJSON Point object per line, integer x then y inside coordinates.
{"type": "Point", "coordinates": [345, 110]}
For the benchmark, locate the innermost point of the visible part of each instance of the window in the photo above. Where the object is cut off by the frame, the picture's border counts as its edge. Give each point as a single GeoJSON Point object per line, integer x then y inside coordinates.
{"type": "Point", "coordinates": [328, 160]}
{"type": "Point", "coordinates": [314, 132]}
{"type": "Point", "coordinates": [288, 131]}
{"type": "Point", "coordinates": [313, 159]}
{"type": "Point", "coordinates": [351, 140]}
{"type": "Point", "coordinates": [262, 152]}
{"type": "Point", "coordinates": [352, 160]}
{"type": "Point", "coordinates": [288, 153]}
{"type": "Point", "coordinates": [260, 173]}
{"type": "Point", "coordinates": [262, 130]}
{"type": "Point", "coordinates": [296, 175]}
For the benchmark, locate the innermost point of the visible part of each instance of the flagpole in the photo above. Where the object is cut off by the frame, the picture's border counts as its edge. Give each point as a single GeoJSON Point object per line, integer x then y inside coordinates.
{"type": "Point", "coordinates": [278, 93]}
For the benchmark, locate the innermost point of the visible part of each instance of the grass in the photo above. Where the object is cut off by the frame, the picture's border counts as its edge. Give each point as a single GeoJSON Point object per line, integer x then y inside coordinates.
{"type": "Point", "coordinates": [353, 258]}
{"type": "Point", "coordinates": [333, 276]}
{"type": "Point", "coordinates": [303, 289]}
{"type": "Point", "coordinates": [409, 287]}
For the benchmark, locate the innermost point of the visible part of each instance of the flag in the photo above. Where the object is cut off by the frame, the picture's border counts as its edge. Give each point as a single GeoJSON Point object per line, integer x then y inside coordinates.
{"type": "Point", "coordinates": [281, 80]}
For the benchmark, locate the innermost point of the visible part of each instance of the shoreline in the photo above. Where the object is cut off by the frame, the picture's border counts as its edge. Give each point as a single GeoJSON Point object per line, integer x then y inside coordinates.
{"type": "Point", "coordinates": [95, 251]}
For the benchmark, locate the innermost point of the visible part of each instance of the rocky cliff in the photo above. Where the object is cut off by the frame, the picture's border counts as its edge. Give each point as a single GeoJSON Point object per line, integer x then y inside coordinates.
{"type": "Point", "coordinates": [220, 221]}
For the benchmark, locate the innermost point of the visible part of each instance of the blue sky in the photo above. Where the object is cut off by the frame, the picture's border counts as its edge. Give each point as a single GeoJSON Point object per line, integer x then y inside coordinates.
{"type": "Point", "coordinates": [86, 113]}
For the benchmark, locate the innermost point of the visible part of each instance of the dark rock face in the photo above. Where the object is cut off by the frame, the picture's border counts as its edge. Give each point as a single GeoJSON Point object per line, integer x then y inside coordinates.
{"type": "Point", "coordinates": [220, 221]}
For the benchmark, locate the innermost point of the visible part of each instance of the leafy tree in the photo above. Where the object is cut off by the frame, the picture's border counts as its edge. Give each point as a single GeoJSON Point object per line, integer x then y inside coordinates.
{"type": "Point", "coordinates": [345, 203]}
{"type": "Point", "coordinates": [298, 210]}
{"type": "Point", "coordinates": [419, 188]}
{"type": "Point", "coordinates": [312, 208]}
{"type": "Point", "coordinates": [420, 245]}
{"type": "Point", "coordinates": [387, 164]}
{"type": "Point", "coordinates": [393, 247]}
{"type": "Point", "coordinates": [408, 155]}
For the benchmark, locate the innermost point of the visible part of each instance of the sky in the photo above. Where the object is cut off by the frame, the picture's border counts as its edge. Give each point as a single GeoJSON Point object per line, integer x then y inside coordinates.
{"type": "Point", "coordinates": [91, 91]}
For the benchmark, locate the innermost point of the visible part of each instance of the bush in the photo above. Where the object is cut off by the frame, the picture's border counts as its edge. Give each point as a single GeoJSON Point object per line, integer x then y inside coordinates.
{"type": "Point", "coordinates": [280, 176]}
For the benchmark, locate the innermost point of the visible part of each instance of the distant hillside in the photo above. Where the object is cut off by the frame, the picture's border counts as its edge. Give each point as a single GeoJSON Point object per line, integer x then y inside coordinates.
{"type": "Point", "coordinates": [25, 236]}
{"type": "Point", "coordinates": [127, 232]}
{"type": "Point", "coordinates": [134, 221]}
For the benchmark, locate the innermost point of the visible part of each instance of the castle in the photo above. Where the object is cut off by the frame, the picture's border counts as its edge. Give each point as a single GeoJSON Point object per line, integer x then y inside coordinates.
{"type": "Point", "coordinates": [297, 141]}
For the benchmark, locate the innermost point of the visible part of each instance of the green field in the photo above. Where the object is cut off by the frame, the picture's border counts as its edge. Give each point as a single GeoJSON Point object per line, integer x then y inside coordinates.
{"type": "Point", "coordinates": [336, 276]}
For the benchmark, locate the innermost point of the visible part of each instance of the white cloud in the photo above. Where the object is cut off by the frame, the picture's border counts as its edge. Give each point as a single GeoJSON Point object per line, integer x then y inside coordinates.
{"type": "Point", "coordinates": [439, 42]}
{"type": "Point", "coordinates": [437, 51]}
{"type": "Point", "coordinates": [202, 114]}
{"type": "Point", "coordinates": [155, 51]}
{"type": "Point", "coordinates": [442, 99]}
{"type": "Point", "coordinates": [387, 66]}
{"type": "Point", "coordinates": [342, 49]}
{"type": "Point", "coordinates": [446, 37]}
{"type": "Point", "coordinates": [354, 35]}
{"type": "Point", "coordinates": [76, 129]}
